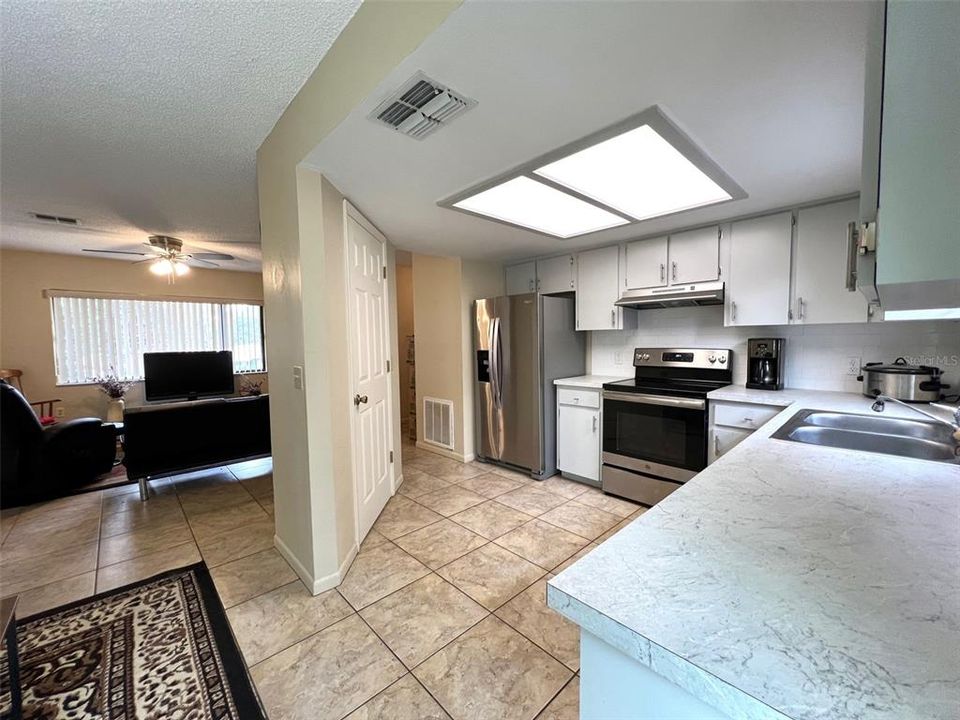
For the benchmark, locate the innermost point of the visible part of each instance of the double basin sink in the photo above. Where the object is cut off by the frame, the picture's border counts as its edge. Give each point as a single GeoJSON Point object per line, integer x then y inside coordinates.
{"type": "Point", "coordinates": [891, 436]}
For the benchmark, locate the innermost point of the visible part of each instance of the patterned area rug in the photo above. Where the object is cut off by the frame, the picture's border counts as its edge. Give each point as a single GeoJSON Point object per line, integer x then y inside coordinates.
{"type": "Point", "coordinates": [160, 648]}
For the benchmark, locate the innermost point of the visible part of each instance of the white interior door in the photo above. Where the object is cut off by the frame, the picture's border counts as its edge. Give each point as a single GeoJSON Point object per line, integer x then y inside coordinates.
{"type": "Point", "coordinates": [370, 405]}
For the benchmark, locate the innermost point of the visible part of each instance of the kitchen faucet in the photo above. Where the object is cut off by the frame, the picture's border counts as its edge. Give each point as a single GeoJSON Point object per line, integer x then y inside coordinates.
{"type": "Point", "coordinates": [878, 406]}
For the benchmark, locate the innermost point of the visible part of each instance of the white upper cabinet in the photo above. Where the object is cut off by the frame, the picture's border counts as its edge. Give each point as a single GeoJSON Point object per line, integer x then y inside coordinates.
{"type": "Point", "coordinates": [694, 256]}
{"type": "Point", "coordinates": [647, 263]}
{"type": "Point", "coordinates": [820, 266]}
{"type": "Point", "coordinates": [758, 287]}
{"type": "Point", "coordinates": [598, 288]}
{"type": "Point", "coordinates": [522, 278]}
{"type": "Point", "coordinates": [556, 275]}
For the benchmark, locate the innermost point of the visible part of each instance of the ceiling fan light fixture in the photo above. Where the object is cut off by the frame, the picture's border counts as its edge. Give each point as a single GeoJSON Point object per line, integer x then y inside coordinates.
{"type": "Point", "coordinates": [181, 268]}
{"type": "Point", "coordinates": [162, 266]}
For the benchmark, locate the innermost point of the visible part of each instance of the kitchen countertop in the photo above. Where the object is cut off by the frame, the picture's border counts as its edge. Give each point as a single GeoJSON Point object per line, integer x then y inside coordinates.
{"type": "Point", "coordinates": [594, 382]}
{"type": "Point", "coordinates": [790, 580]}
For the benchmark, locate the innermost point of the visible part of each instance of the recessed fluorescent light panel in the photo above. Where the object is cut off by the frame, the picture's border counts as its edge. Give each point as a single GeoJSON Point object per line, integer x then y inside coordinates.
{"type": "Point", "coordinates": [637, 172]}
{"type": "Point", "coordinates": [642, 168]}
{"type": "Point", "coordinates": [531, 204]}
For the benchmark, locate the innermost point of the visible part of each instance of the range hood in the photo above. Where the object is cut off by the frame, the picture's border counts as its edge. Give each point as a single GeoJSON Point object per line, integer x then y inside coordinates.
{"type": "Point", "coordinates": [706, 293]}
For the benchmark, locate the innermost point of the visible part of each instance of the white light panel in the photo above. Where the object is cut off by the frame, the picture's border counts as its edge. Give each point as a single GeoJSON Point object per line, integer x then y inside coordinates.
{"type": "Point", "coordinates": [533, 205]}
{"type": "Point", "coordinates": [638, 173]}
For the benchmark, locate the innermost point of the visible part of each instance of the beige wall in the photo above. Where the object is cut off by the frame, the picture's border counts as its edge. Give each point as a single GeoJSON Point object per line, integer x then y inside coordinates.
{"type": "Point", "coordinates": [405, 328]}
{"type": "Point", "coordinates": [309, 523]}
{"type": "Point", "coordinates": [26, 332]}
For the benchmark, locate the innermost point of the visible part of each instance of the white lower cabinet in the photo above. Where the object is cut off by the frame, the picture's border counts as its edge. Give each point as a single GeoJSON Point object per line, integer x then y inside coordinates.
{"type": "Point", "coordinates": [733, 422]}
{"type": "Point", "coordinates": [579, 430]}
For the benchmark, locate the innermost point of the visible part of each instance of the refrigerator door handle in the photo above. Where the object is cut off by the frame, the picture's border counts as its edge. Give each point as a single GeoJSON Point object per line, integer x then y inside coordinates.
{"type": "Point", "coordinates": [495, 377]}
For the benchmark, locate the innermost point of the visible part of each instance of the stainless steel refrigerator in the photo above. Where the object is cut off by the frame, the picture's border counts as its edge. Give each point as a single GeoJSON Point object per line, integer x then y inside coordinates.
{"type": "Point", "coordinates": [523, 343]}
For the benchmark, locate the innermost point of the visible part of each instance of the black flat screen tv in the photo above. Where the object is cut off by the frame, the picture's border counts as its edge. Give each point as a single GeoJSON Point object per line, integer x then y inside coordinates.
{"type": "Point", "coordinates": [187, 375]}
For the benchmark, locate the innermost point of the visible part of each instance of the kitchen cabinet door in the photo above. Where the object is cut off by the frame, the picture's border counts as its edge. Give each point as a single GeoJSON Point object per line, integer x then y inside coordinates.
{"type": "Point", "coordinates": [723, 440]}
{"type": "Point", "coordinates": [598, 288]}
{"type": "Point", "coordinates": [647, 263]}
{"type": "Point", "coordinates": [578, 441]}
{"type": "Point", "coordinates": [521, 279]}
{"type": "Point", "coordinates": [820, 266]}
{"type": "Point", "coordinates": [694, 256]}
{"type": "Point", "coordinates": [758, 287]}
{"type": "Point", "coordinates": [556, 275]}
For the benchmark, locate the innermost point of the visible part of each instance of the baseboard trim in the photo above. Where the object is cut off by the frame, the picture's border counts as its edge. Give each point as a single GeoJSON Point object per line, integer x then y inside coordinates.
{"type": "Point", "coordinates": [294, 561]}
{"type": "Point", "coordinates": [421, 445]}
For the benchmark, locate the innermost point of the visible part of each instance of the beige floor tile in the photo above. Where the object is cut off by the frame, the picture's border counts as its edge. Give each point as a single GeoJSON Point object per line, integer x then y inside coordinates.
{"type": "Point", "coordinates": [491, 519]}
{"type": "Point", "coordinates": [491, 672]}
{"type": "Point", "coordinates": [210, 524]}
{"type": "Point", "coordinates": [62, 509]}
{"type": "Point", "coordinates": [203, 479]}
{"type": "Point", "coordinates": [372, 539]}
{"type": "Point", "coordinates": [118, 548]}
{"type": "Point", "coordinates": [541, 543]}
{"type": "Point", "coordinates": [563, 487]}
{"type": "Point", "coordinates": [457, 471]}
{"type": "Point", "coordinates": [31, 539]}
{"type": "Point", "coordinates": [8, 517]}
{"type": "Point", "coordinates": [401, 516]}
{"type": "Point", "coordinates": [253, 575]}
{"type": "Point", "coordinates": [582, 520]}
{"type": "Point", "coordinates": [266, 503]}
{"type": "Point", "coordinates": [507, 473]}
{"type": "Point", "coordinates": [30, 572]}
{"type": "Point", "coordinates": [614, 530]}
{"type": "Point", "coordinates": [252, 468]}
{"type": "Point", "coordinates": [404, 700]}
{"type": "Point", "coordinates": [490, 485]}
{"type": "Point", "coordinates": [214, 498]}
{"type": "Point", "coordinates": [566, 705]}
{"type": "Point", "coordinates": [160, 494]}
{"type": "Point", "coordinates": [530, 499]}
{"type": "Point", "coordinates": [328, 674]}
{"type": "Point", "coordinates": [491, 575]}
{"type": "Point", "coordinates": [595, 497]}
{"type": "Point", "coordinates": [377, 572]}
{"type": "Point", "coordinates": [440, 543]}
{"type": "Point", "coordinates": [421, 618]}
{"type": "Point", "coordinates": [140, 568]}
{"type": "Point", "coordinates": [143, 516]}
{"type": "Point", "coordinates": [417, 483]}
{"type": "Point", "coordinates": [259, 485]}
{"type": "Point", "coordinates": [274, 621]}
{"type": "Point", "coordinates": [238, 542]}
{"type": "Point", "coordinates": [450, 500]}
{"type": "Point", "coordinates": [37, 521]}
{"type": "Point", "coordinates": [55, 594]}
{"type": "Point", "coordinates": [570, 561]}
{"type": "Point", "coordinates": [529, 615]}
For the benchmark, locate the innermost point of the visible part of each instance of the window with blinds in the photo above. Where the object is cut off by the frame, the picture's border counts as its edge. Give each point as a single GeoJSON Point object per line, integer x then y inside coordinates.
{"type": "Point", "coordinates": [93, 336]}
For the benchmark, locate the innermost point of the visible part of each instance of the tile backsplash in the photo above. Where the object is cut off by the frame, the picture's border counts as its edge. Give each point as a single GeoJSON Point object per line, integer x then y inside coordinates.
{"type": "Point", "coordinates": [817, 355]}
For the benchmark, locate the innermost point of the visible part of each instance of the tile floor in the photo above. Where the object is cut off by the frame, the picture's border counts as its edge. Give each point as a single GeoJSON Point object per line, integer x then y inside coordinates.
{"type": "Point", "coordinates": [441, 615]}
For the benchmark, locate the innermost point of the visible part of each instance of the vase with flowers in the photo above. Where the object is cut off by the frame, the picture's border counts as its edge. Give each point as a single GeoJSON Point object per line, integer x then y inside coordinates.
{"type": "Point", "coordinates": [115, 389]}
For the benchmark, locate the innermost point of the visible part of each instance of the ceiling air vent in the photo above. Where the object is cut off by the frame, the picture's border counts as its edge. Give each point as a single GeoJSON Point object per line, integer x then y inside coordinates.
{"type": "Point", "coordinates": [58, 219]}
{"type": "Point", "coordinates": [420, 106]}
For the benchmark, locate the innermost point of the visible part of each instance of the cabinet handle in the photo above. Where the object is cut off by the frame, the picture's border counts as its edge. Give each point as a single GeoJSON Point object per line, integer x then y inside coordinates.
{"type": "Point", "coordinates": [748, 420]}
{"type": "Point", "coordinates": [673, 270]}
{"type": "Point", "coordinates": [594, 423]}
{"type": "Point", "coordinates": [716, 446]}
{"type": "Point", "coordinates": [799, 308]}
{"type": "Point", "coordinates": [613, 318]}
{"type": "Point", "coordinates": [733, 311]}
{"type": "Point", "coordinates": [663, 272]}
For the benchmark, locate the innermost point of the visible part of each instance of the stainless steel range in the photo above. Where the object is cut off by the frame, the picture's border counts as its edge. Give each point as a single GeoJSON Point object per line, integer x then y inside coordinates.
{"type": "Point", "coordinates": [655, 426]}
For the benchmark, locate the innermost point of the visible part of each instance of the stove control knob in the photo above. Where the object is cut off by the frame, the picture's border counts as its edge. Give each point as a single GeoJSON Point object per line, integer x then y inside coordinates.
{"type": "Point", "coordinates": [723, 359]}
{"type": "Point", "coordinates": [712, 358]}
{"type": "Point", "coordinates": [646, 356]}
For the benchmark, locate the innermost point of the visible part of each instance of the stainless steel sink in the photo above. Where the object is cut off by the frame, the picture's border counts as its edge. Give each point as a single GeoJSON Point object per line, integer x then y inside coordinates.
{"type": "Point", "coordinates": [890, 436]}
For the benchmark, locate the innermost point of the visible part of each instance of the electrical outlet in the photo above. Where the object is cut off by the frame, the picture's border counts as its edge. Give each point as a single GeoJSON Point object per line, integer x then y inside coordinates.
{"type": "Point", "coordinates": [618, 358]}
{"type": "Point", "coordinates": [853, 366]}
{"type": "Point", "coordinates": [60, 412]}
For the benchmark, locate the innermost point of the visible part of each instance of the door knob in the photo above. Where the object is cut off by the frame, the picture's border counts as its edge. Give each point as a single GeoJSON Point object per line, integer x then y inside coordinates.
{"type": "Point", "coordinates": [357, 399]}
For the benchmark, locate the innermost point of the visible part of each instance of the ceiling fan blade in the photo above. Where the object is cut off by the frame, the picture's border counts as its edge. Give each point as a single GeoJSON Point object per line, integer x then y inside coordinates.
{"type": "Point", "coordinates": [212, 256]}
{"type": "Point", "coordinates": [149, 260]}
{"type": "Point", "coordinates": [114, 252]}
{"type": "Point", "coordinates": [194, 258]}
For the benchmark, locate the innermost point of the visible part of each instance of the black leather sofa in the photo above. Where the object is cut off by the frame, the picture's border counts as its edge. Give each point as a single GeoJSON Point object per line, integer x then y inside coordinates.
{"type": "Point", "coordinates": [39, 463]}
{"type": "Point", "coordinates": [173, 438]}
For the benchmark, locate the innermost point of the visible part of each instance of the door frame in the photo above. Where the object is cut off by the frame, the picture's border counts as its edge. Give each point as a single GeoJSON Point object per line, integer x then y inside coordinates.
{"type": "Point", "coordinates": [352, 213]}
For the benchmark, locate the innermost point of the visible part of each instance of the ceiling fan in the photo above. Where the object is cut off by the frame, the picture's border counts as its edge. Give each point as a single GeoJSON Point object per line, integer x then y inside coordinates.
{"type": "Point", "coordinates": [166, 256]}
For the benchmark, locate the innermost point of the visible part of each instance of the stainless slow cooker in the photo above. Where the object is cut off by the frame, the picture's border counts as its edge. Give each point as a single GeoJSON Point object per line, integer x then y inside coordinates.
{"type": "Point", "coordinates": [902, 381]}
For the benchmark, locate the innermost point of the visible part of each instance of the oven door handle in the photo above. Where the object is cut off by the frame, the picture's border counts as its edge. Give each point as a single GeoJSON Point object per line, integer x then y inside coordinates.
{"type": "Point", "coordinates": [641, 399]}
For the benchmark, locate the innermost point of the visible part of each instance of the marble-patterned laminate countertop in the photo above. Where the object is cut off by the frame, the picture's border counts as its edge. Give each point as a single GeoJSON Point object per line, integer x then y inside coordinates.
{"type": "Point", "coordinates": [594, 382]}
{"type": "Point", "coordinates": [790, 580]}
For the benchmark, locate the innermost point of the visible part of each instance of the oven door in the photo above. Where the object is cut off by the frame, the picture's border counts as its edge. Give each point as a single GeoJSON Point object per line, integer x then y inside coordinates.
{"type": "Point", "coordinates": [653, 434]}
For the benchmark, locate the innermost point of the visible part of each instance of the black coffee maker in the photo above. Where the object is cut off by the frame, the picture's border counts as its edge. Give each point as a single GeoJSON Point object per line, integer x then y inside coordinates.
{"type": "Point", "coordinates": [765, 363]}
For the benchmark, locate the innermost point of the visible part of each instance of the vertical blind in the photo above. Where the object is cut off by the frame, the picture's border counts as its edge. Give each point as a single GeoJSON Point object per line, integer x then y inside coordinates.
{"type": "Point", "coordinates": [95, 336]}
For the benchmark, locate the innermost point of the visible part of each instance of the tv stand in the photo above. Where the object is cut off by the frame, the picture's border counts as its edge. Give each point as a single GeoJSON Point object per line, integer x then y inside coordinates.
{"type": "Point", "coordinates": [172, 438]}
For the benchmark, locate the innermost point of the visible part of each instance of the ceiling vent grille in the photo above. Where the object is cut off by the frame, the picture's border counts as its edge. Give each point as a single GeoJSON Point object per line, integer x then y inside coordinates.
{"type": "Point", "coordinates": [58, 219]}
{"type": "Point", "coordinates": [420, 106]}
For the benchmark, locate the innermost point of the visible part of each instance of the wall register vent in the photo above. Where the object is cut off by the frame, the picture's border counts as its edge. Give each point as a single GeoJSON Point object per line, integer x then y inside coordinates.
{"type": "Point", "coordinates": [438, 422]}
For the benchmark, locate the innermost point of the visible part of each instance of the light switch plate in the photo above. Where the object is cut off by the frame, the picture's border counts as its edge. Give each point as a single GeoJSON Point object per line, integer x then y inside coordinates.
{"type": "Point", "coordinates": [853, 366]}
{"type": "Point", "coordinates": [298, 377]}
{"type": "Point", "coordinates": [618, 358]}
{"type": "Point", "coordinates": [60, 412]}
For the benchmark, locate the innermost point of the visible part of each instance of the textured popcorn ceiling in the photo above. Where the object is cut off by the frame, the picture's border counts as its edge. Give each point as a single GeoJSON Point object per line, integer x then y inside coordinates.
{"type": "Point", "coordinates": [144, 117]}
